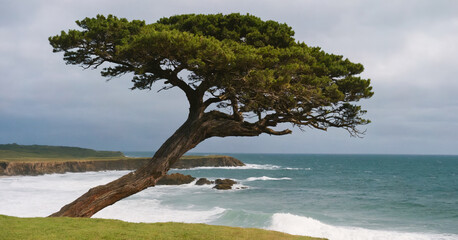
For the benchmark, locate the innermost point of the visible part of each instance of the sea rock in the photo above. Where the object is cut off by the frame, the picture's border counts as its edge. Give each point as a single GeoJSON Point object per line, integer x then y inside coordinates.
{"type": "Point", "coordinates": [175, 179]}
{"type": "Point", "coordinates": [224, 184]}
{"type": "Point", "coordinates": [225, 181]}
{"type": "Point", "coordinates": [203, 181]}
{"type": "Point", "coordinates": [223, 187]}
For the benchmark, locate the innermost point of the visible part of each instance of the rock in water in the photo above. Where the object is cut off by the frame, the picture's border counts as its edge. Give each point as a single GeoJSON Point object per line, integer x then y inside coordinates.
{"type": "Point", "coordinates": [224, 184]}
{"type": "Point", "coordinates": [225, 181]}
{"type": "Point", "coordinates": [203, 181]}
{"type": "Point", "coordinates": [175, 179]}
{"type": "Point", "coordinates": [223, 187]}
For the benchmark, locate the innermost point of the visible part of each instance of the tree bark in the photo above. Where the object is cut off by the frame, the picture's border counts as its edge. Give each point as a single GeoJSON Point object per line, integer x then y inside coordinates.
{"type": "Point", "coordinates": [196, 129]}
{"type": "Point", "coordinates": [97, 198]}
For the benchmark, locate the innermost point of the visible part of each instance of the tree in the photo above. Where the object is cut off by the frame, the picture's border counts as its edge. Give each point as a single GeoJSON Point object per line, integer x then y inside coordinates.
{"type": "Point", "coordinates": [242, 77]}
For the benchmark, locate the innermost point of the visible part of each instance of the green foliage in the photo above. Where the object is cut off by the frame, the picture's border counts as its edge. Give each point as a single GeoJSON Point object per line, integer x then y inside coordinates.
{"type": "Point", "coordinates": [246, 29]}
{"type": "Point", "coordinates": [41, 151]}
{"type": "Point", "coordinates": [106, 33]}
{"type": "Point", "coordinates": [245, 65]}
{"type": "Point", "coordinates": [87, 228]}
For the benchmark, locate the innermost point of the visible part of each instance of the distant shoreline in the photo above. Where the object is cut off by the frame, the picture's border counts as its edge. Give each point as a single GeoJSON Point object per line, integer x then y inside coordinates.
{"type": "Point", "coordinates": [35, 160]}
{"type": "Point", "coordinates": [40, 166]}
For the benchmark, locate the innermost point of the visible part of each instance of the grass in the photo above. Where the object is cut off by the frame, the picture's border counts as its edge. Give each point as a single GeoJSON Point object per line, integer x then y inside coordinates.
{"type": "Point", "coordinates": [40, 151]}
{"type": "Point", "coordinates": [89, 228]}
{"type": "Point", "coordinates": [51, 159]}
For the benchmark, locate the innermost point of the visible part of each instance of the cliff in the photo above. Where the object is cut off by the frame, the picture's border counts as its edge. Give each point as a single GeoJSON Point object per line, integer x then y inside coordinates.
{"type": "Point", "coordinates": [11, 168]}
{"type": "Point", "coordinates": [207, 161]}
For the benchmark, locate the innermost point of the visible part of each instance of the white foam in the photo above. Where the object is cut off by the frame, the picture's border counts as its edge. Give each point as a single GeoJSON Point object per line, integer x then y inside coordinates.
{"type": "Point", "coordinates": [265, 178]}
{"type": "Point", "coordinates": [40, 196]}
{"type": "Point", "coordinates": [299, 225]}
{"type": "Point", "coordinates": [290, 168]}
{"type": "Point", "coordinates": [239, 186]}
{"type": "Point", "coordinates": [151, 210]}
{"type": "Point", "coordinates": [246, 167]}
{"type": "Point", "coordinates": [250, 166]}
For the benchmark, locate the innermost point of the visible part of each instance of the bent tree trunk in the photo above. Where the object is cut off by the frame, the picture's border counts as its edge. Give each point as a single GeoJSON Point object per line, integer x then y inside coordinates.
{"type": "Point", "coordinates": [195, 130]}
{"type": "Point", "coordinates": [97, 198]}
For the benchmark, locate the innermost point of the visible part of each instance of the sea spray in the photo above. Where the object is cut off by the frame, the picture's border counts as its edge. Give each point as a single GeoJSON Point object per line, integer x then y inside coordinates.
{"type": "Point", "coordinates": [39, 196]}
{"type": "Point", "coordinates": [299, 225]}
{"type": "Point", "coordinates": [151, 210]}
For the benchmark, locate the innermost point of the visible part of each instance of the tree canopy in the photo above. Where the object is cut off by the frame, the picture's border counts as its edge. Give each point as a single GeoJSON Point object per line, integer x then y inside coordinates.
{"type": "Point", "coordinates": [234, 66]}
{"type": "Point", "coordinates": [242, 76]}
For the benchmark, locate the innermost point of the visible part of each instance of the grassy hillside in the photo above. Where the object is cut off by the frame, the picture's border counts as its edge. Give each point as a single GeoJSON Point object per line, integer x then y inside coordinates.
{"type": "Point", "coordinates": [41, 151]}
{"type": "Point", "coordinates": [88, 228]}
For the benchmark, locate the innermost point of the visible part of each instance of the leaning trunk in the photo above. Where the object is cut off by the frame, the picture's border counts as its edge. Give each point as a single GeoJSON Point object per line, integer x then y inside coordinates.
{"type": "Point", "coordinates": [97, 198]}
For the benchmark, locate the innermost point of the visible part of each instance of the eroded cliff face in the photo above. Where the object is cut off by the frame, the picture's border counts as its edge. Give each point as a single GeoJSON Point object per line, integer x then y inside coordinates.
{"type": "Point", "coordinates": [216, 161]}
{"type": "Point", "coordinates": [39, 168]}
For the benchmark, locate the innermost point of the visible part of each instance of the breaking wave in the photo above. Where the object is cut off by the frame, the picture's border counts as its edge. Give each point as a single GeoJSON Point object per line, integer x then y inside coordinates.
{"type": "Point", "coordinates": [265, 178]}
{"type": "Point", "coordinates": [247, 166]}
{"type": "Point", "coordinates": [299, 225]}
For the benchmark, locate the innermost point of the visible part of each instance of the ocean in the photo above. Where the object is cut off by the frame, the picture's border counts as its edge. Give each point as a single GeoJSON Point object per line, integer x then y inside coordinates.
{"type": "Point", "coordinates": [331, 196]}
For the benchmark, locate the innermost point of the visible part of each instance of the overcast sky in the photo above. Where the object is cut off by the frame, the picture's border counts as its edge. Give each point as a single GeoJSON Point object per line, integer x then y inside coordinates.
{"type": "Point", "coordinates": [409, 50]}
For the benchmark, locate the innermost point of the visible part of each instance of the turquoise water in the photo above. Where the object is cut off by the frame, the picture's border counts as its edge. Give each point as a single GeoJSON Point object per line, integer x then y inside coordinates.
{"type": "Point", "coordinates": [402, 193]}
{"type": "Point", "coordinates": [339, 197]}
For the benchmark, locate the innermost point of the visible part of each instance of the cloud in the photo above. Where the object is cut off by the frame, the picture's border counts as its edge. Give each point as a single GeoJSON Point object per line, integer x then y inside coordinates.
{"type": "Point", "coordinates": [408, 49]}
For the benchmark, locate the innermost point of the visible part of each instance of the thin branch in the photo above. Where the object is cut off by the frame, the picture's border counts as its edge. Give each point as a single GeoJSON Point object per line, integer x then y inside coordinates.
{"type": "Point", "coordinates": [165, 88]}
{"type": "Point", "coordinates": [217, 99]}
{"type": "Point", "coordinates": [235, 109]}
{"type": "Point", "coordinates": [176, 81]}
{"type": "Point", "coordinates": [110, 59]}
{"type": "Point", "coordinates": [278, 133]}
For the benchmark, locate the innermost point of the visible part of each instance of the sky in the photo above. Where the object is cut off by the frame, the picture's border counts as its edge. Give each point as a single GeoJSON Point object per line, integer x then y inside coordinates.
{"type": "Point", "coordinates": [408, 48]}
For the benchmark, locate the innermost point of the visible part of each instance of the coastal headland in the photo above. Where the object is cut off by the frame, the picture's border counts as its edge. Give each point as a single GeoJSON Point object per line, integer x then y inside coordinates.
{"type": "Point", "coordinates": [37, 160]}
